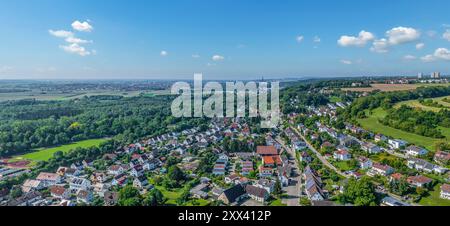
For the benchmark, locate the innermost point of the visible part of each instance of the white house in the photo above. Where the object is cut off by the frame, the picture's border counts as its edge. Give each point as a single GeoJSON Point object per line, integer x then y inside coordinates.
{"type": "Point", "coordinates": [370, 148]}
{"type": "Point", "coordinates": [342, 155]}
{"type": "Point", "coordinates": [365, 163]}
{"type": "Point", "coordinates": [445, 191]}
{"type": "Point", "coordinates": [80, 184]}
{"type": "Point", "coordinates": [381, 169]}
{"type": "Point", "coordinates": [49, 179]}
{"type": "Point", "coordinates": [416, 151]}
{"type": "Point", "coordinates": [397, 144]}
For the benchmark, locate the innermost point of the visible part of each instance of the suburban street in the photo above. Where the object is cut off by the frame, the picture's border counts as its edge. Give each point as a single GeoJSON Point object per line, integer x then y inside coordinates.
{"type": "Point", "coordinates": [294, 189]}
{"type": "Point", "coordinates": [319, 156]}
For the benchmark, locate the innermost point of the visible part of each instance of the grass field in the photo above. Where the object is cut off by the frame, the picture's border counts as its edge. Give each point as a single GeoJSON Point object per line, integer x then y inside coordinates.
{"type": "Point", "coordinates": [45, 154]}
{"type": "Point", "coordinates": [434, 198]}
{"type": "Point", "coordinates": [371, 123]}
{"type": "Point", "coordinates": [174, 194]}
{"type": "Point", "coordinates": [277, 202]}
{"type": "Point", "coordinates": [342, 165]}
{"type": "Point", "coordinates": [335, 99]}
{"type": "Point", "coordinates": [391, 87]}
{"type": "Point", "coordinates": [417, 104]}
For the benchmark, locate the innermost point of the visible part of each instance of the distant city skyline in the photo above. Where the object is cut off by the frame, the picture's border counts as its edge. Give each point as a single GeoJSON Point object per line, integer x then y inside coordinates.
{"type": "Point", "coordinates": [224, 40]}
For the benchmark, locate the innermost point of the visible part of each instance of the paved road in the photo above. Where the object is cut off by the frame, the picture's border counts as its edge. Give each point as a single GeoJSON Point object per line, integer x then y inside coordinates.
{"type": "Point", "coordinates": [294, 188]}
{"type": "Point", "coordinates": [319, 156]}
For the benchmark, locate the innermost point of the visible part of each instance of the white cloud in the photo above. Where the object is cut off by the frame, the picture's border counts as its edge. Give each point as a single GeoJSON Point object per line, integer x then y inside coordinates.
{"type": "Point", "coordinates": [61, 33]}
{"type": "Point", "coordinates": [363, 38]}
{"type": "Point", "coordinates": [400, 35]}
{"type": "Point", "coordinates": [348, 62]}
{"type": "Point", "coordinates": [164, 53]}
{"type": "Point", "coordinates": [218, 58]}
{"type": "Point", "coordinates": [77, 40]}
{"type": "Point", "coordinates": [409, 57]}
{"type": "Point", "coordinates": [195, 56]}
{"type": "Point", "coordinates": [317, 39]}
{"type": "Point", "coordinates": [442, 53]}
{"type": "Point", "coordinates": [380, 46]}
{"type": "Point", "coordinates": [74, 48]}
{"type": "Point", "coordinates": [82, 26]}
{"type": "Point", "coordinates": [420, 45]}
{"type": "Point", "coordinates": [299, 38]}
{"type": "Point", "coordinates": [446, 35]}
{"type": "Point", "coordinates": [439, 54]}
{"type": "Point", "coordinates": [428, 58]}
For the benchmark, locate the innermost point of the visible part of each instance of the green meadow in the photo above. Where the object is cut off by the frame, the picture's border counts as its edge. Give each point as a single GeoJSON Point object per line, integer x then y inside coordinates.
{"type": "Point", "coordinates": [45, 154]}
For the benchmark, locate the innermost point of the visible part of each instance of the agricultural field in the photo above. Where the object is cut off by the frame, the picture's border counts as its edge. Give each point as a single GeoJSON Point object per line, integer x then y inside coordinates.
{"type": "Point", "coordinates": [45, 154]}
{"type": "Point", "coordinates": [58, 95]}
{"type": "Point", "coordinates": [391, 87]}
{"type": "Point", "coordinates": [371, 123]}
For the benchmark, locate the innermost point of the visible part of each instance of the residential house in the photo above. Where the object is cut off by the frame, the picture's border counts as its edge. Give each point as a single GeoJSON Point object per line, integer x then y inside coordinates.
{"type": "Point", "coordinates": [200, 191]}
{"type": "Point", "coordinates": [397, 144]}
{"type": "Point", "coordinates": [26, 200]}
{"type": "Point", "coordinates": [111, 198]}
{"type": "Point", "coordinates": [137, 171]}
{"type": "Point", "coordinates": [442, 157]}
{"type": "Point", "coordinates": [419, 181]}
{"type": "Point", "coordinates": [152, 164]}
{"type": "Point", "coordinates": [32, 185]}
{"type": "Point", "coordinates": [232, 179]}
{"type": "Point", "coordinates": [49, 179]}
{"type": "Point", "coordinates": [84, 196]}
{"type": "Point", "coordinates": [247, 167]}
{"type": "Point", "coordinates": [257, 193]}
{"type": "Point", "coordinates": [305, 157]}
{"type": "Point", "coordinates": [59, 192]}
{"type": "Point", "coordinates": [313, 185]}
{"type": "Point", "coordinates": [380, 138]}
{"type": "Point", "coordinates": [266, 184]}
{"type": "Point", "coordinates": [342, 155]}
{"type": "Point", "coordinates": [365, 163]}
{"type": "Point", "coordinates": [266, 151]}
{"type": "Point", "coordinates": [232, 194]}
{"type": "Point", "coordinates": [115, 170]}
{"type": "Point", "coordinates": [395, 177]}
{"type": "Point", "coordinates": [79, 183]}
{"type": "Point", "coordinates": [380, 169]}
{"type": "Point", "coordinates": [415, 151]}
{"type": "Point", "coordinates": [370, 148]}
{"type": "Point", "coordinates": [141, 182]}
{"type": "Point", "coordinates": [445, 191]}
{"type": "Point", "coordinates": [67, 172]}
{"type": "Point", "coordinates": [119, 180]}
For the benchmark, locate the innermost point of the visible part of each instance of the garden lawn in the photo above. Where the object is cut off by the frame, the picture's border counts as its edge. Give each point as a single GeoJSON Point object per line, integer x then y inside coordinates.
{"type": "Point", "coordinates": [434, 198]}
{"type": "Point", "coordinates": [45, 154]}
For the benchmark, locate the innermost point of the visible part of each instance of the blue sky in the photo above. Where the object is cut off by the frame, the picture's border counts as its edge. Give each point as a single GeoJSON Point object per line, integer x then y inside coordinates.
{"type": "Point", "coordinates": [222, 39]}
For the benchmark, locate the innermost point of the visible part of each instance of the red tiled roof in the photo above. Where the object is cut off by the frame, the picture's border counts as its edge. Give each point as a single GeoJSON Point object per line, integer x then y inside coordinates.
{"type": "Point", "coordinates": [419, 179]}
{"type": "Point", "coordinates": [445, 188]}
{"type": "Point", "coordinates": [266, 150]}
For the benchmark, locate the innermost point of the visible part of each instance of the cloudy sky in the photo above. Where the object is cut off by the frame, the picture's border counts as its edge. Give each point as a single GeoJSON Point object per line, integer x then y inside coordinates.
{"type": "Point", "coordinates": [102, 39]}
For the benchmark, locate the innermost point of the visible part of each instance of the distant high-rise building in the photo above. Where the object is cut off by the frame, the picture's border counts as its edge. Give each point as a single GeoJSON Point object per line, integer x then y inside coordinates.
{"type": "Point", "coordinates": [436, 75]}
{"type": "Point", "coordinates": [420, 75]}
